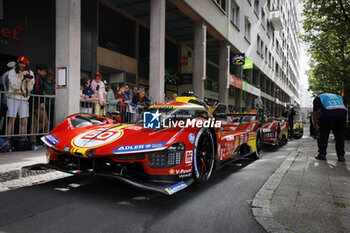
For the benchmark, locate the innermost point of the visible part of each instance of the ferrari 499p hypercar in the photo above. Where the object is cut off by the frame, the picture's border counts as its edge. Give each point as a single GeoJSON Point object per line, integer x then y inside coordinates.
{"type": "Point", "coordinates": [275, 132]}
{"type": "Point", "coordinates": [174, 145]}
{"type": "Point", "coordinates": [298, 130]}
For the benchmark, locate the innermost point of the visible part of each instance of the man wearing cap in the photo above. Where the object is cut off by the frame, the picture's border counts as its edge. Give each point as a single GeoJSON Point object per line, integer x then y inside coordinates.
{"type": "Point", "coordinates": [21, 81]}
{"type": "Point", "coordinates": [329, 113]}
{"type": "Point", "coordinates": [98, 86]}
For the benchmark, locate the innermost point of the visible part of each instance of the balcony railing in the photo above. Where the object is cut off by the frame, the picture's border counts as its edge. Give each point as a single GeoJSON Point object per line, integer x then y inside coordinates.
{"type": "Point", "coordinates": [276, 19]}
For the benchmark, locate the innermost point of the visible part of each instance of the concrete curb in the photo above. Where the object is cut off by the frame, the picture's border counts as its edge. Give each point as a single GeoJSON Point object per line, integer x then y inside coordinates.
{"type": "Point", "coordinates": [261, 206]}
{"type": "Point", "coordinates": [17, 173]}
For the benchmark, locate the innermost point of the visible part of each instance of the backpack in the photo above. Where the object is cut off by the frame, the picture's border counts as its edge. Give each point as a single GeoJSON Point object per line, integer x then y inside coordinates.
{"type": "Point", "coordinates": [5, 145]}
{"type": "Point", "coordinates": [21, 145]}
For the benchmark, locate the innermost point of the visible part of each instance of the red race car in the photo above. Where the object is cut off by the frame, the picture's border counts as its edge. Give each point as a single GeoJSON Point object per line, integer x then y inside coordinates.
{"type": "Point", "coordinates": [275, 132]}
{"type": "Point", "coordinates": [174, 145]}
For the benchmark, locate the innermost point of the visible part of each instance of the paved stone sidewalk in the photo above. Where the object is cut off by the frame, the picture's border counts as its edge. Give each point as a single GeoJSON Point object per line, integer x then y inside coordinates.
{"type": "Point", "coordinates": [12, 176]}
{"type": "Point", "coordinates": [305, 194]}
{"type": "Point", "coordinates": [11, 163]}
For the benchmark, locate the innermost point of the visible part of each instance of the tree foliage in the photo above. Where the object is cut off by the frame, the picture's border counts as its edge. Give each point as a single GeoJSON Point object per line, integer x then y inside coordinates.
{"type": "Point", "coordinates": [327, 34]}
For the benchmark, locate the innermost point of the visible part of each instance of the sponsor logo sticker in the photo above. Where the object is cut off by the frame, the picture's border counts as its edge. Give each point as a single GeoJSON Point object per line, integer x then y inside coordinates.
{"type": "Point", "coordinates": [195, 161]}
{"type": "Point", "coordinates": [185, 175]}
{"type": "Point", "coordinates": [191, 138]}
{"type": "Point", "coordinates": [50, 138]}
{"type": "Point", "coordinates": [188, 156]}
{"type": "Point", "coordinates": [140, 147]}
{"type": "Point", "coordinates": [182, 171]}
{"type": "Point", "coordinates": [175, 188]}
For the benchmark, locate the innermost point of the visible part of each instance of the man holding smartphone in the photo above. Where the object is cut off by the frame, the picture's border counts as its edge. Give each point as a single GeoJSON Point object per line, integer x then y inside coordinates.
{"type": "Point", "coordinates": [98, 87]}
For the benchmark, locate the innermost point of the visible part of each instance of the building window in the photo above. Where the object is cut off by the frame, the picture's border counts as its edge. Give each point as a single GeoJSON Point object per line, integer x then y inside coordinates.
{"type": "Point", "coordinates": [265, 54]}
{"type": "Point", "coordinates": [256, 7]}
{"type": "Point", "coordinates": [269, 4]}
{"type": "Point", "coordinates": [268, 27]}
{"type": "Point", "coordinates": [235, 14]}
{"type": "Point", "coordinates": [263, 17]}
{"type": "Point", "coordinates": [258, 44]}
{"type": "Point", "coordinates": [111, 24]}
{"type": "Point", "coordinates": [222, 4]}
{"type": "Point", "coordinates": [211, 83]}
{"type": "Point", "coordinates": [262, 48]}
{"type": "Point", "coordinates": [247, 29]}
{"type": "Point", "coordinates": [269, 59]}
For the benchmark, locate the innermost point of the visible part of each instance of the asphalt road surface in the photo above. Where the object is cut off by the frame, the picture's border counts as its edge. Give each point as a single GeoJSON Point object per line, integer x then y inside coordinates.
{"type": "Point", "coordinates": [82, 204]}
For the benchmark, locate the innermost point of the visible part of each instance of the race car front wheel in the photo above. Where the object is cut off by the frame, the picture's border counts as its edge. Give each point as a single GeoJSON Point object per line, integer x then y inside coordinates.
{"type": "Point", "coordinates": [258, 144]}
{"type": "Point", "coordinates": [203, 156]}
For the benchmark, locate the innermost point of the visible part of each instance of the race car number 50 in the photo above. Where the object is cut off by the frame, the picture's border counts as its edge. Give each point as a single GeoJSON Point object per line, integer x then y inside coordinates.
{"type": "Point", "coordinates": [97, 137]}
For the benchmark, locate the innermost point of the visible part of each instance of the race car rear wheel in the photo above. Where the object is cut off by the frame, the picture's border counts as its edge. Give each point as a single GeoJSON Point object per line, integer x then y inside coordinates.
{"type": "Point", "coordinates": [203, 156]}
{"type": "Point", "coordinates": [258, 144]}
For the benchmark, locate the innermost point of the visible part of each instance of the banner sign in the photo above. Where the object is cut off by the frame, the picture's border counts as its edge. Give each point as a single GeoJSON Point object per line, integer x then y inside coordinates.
{"type": "Point", "coordinates": [251, 89]}
{"type": "Point", "coordinates": [235, 82]}
{"type": "Point", "coordinates": [248, 64]}
{"type": "Point", "coordinates": [238, 59]}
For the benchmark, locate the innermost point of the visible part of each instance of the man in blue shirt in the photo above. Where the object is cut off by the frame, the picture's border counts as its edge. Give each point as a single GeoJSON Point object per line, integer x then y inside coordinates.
{"type": "Point", "coordinates": [329, 113]}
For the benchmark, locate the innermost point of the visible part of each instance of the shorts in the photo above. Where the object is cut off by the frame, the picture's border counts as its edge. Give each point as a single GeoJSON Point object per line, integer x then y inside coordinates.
{"type": "Point", "coordinates": [85, 110]}
{"type": "Point", "coordinates": [17, 106]}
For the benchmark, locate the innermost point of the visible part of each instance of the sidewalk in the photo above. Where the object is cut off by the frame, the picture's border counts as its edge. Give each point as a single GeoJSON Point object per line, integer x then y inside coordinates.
{"type": "Point", "coordinates": [305, 194]}
{"type": "Point", "coordinates": [12, 162]}
{"type": "Point", "coordinates": [12, 176]}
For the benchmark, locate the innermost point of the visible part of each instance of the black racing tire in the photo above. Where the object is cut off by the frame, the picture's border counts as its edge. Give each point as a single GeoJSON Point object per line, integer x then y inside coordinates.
{"type": "Point", "coordinates": [203, 156]}
{"type": "Point", "coordinates": [278, 141]}
{"type": "Point", "coordinates": [285, 140]}
{"type": "Point", "coordinates": [258, 145]}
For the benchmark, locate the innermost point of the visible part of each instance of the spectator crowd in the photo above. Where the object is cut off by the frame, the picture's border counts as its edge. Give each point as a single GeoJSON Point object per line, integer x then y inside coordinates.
{"type": "Point", "coordinates": [100, 98]}
{"type": "Point", "coordinates": [28, 95]}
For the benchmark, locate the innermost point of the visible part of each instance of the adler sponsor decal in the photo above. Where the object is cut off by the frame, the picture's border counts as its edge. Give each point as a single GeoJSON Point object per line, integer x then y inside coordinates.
{"type": "Point", "coordinates": [141, 147]}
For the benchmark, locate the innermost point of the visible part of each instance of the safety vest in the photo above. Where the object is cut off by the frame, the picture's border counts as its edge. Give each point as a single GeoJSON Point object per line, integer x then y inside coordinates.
{"type": "Point", "coordinates": [332, 101]}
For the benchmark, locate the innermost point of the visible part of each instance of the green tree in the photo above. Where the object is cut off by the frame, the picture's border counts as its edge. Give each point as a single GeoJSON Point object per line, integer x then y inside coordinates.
{"type": "Point", "coordinates": [327, 34]}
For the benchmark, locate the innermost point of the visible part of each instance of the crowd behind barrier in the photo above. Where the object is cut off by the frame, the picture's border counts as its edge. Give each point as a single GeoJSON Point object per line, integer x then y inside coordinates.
{"type": "Point", "coordinates": [122, 113]}
{"type": "Point", "coordinates": [41, 116]}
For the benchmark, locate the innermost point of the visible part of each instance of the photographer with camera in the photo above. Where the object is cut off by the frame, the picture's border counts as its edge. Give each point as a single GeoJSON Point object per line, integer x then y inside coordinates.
{"type": "Point", "coordinates": [21, 82]}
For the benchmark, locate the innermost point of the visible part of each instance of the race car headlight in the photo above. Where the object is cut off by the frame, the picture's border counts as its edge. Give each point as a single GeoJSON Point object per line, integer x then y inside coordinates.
{"type": "Point", "coordinates": [168, 158]}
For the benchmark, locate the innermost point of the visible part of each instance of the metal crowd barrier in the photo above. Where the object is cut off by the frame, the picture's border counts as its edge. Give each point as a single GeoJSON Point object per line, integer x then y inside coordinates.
{"type": "Point", "coordinates": [40, 120]}
{"type": "Point", "coordinates": [123, 113]}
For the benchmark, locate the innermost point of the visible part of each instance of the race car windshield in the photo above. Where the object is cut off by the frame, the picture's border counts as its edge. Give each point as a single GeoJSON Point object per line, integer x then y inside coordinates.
{"type": "Point", "coordinates": [247, 118]}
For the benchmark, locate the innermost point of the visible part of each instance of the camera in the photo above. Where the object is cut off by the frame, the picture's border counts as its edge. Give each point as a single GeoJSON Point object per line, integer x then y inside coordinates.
{"type": "Point", "coordinates": [28, 76]}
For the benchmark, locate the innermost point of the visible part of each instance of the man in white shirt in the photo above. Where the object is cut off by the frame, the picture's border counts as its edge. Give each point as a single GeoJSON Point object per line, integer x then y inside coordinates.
{"type": "Point", "coordinates": [21, 82]}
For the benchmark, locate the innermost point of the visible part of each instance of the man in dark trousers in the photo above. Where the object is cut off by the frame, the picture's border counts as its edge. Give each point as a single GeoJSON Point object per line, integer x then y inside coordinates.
{"type": "Point", "coordinates": [329, 113]}
{"type": "Point", "coordinates": [289, 113]}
